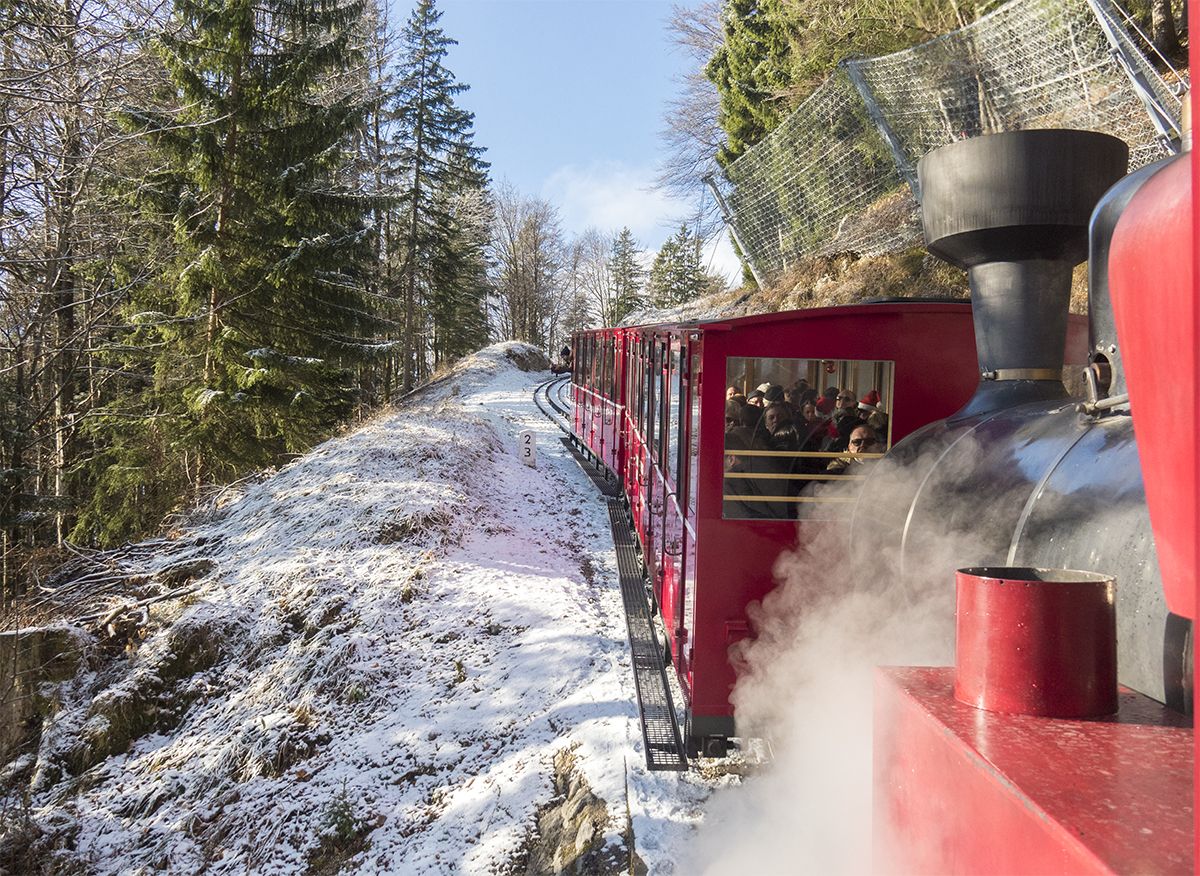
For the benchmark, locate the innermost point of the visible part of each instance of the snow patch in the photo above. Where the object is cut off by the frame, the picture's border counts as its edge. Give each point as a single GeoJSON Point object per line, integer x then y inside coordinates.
{"type": "Point", "coordinates": [390, 642]}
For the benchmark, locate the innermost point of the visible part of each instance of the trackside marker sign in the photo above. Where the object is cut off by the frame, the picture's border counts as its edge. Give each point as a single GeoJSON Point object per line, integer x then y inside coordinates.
{"type": "Point", "coordinates": [527, 448]}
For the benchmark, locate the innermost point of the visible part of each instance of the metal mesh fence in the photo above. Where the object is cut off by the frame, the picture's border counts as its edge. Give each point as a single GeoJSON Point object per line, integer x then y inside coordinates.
{"type": "Point", "coordinates": [834, 176]}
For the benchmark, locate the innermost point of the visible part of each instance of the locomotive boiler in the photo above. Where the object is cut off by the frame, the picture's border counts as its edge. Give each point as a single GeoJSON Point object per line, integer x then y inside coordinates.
{"type": "Point", "coordinates": [1024, 479]}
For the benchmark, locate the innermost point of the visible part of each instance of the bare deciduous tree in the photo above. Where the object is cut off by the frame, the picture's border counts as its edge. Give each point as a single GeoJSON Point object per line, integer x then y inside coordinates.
{"type": "Point", "coordinates": [691, 131]}
{"type": "Point", "coordinates": [68, 248]}
{"type": "Point", "coordinates": [528, 256]}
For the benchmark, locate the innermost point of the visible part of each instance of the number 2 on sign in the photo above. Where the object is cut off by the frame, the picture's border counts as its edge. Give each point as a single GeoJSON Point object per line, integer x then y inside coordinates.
{"type": "Point", "coordinates": [528, 446]}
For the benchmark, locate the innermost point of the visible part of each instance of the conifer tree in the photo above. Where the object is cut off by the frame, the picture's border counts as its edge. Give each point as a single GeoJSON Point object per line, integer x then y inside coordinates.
{"type": "Point", "coordinates": [460, 285]}
{"type": "Point", "coordinates": [254, 324]}
{"type": "Point", "coordinates": [751, 71]}
{"type": "Point", "coordinates": [436, 160]}
{"type": "Point", "coordinates": [459, 309]}
{"type": "Point", "coordinates": [577, 315]}
{"type": "Point", "coordinates": [676, 275]}
{"type": "Point", "coordinates": [628, 277]}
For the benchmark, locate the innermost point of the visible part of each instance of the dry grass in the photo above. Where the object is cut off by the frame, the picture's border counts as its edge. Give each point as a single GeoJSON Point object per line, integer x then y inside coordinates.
{"type": "Point", "coordinates": [830, 281]}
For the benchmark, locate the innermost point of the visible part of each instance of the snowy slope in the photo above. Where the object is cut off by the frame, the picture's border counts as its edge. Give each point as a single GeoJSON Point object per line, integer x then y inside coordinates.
{"type": "Point", "coordinates": [401, 631]}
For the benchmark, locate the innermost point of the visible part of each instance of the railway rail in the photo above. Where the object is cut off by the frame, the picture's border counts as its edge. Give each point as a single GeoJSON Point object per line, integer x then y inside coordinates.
{"type": "Point", "coordinates": [661, 737]}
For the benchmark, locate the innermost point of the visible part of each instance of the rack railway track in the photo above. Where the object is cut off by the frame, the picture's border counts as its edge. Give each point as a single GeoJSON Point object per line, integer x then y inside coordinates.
{"type": "Point", "coordinates": [661, 737]}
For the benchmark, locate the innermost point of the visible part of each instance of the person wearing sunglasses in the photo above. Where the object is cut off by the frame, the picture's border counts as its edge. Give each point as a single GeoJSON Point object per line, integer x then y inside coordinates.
{"type": "Point", "coordinates": [862, 440]}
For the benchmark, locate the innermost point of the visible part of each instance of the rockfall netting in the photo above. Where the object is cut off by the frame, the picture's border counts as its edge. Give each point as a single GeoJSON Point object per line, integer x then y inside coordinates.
{"type": "Point", "coordinates": [839, 174]}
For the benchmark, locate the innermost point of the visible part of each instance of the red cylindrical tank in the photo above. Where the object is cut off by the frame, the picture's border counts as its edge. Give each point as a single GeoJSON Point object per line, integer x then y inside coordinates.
{"type": "Point", "coordinates": [1036, 642]}
{"type": "Point", "coordinates": [1154, 301]}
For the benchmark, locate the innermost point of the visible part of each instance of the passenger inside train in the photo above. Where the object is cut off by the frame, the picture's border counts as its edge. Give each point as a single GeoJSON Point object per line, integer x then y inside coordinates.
{"type": "Point", "coordinates": [798, 453]}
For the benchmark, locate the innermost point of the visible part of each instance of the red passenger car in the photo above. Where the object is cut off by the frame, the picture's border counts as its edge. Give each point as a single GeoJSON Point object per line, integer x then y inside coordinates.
{"type": "Point", "coordinates": [713, 512]}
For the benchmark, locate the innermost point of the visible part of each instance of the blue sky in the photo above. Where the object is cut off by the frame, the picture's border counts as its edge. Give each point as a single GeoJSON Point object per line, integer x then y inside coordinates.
{"type": "Point", "coordinates": [569, 97]}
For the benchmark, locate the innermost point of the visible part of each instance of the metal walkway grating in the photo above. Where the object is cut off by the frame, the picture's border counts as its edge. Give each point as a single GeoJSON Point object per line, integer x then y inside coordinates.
{"type": "Point", "coordinates": [660, 731]}
{"type": "Point", "coordinates": [598, 472]}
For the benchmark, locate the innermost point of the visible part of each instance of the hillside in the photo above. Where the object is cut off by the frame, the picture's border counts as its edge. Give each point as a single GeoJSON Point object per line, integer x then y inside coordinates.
{"type": "Point", "coordinates": [838, 280]}
{"type": "Point", "coordinates": [403, 653]}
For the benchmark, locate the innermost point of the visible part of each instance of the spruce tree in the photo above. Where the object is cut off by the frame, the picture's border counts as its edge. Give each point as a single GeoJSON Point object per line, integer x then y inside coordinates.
{"type": "Point", "coordinates": [751, 70]}
{"type": "Point", "coordinates": [459, 277]}
{"type": "Point", "coordinates": [676, 275]}
{"type": "Point", "coordinates": [436, 161]}
{"type": "Point", "coordinates": [628, 277]}
{"type": "Point", "coordinates": [251, 331]}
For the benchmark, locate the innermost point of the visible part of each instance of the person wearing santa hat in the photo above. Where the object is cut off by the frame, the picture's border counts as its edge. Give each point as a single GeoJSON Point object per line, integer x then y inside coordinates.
{"type": "Point", "coordinates": [828, 400]}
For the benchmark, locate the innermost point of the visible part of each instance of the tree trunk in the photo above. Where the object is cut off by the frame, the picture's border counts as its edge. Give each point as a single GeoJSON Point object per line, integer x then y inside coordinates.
{"type": "Point", "coordinates": [61, 280]}
{"type": "Point", "coordinates": [411, 349]}
{"type": "Point", "coordinates": [1162, 28]}
{"type": "Point", "coordinates": [224, 205]}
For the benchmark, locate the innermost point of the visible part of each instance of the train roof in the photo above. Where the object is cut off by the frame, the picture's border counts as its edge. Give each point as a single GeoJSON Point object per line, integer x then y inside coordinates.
{"type": "Point", "coordinates": [726, 323]}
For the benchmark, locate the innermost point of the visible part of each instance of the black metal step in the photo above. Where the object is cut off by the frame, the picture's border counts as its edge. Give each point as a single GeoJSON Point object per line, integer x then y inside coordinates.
{"type": "Point", "coordinates": [601, 475]}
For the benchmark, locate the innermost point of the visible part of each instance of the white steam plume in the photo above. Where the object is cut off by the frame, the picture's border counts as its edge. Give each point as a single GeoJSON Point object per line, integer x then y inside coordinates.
{"type": "Point", "coordinates": [806, 684]}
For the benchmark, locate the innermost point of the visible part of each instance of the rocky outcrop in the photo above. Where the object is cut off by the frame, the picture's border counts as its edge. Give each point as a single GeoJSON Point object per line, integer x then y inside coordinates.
{"type": "Point", "coordinates": [571, 829]}
{"type": "Point", "coordinates": [29, 660]}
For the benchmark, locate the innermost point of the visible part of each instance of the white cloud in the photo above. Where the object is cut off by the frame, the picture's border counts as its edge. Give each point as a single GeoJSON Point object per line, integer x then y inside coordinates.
{"type": "Point", "coordinates": [610, 195]}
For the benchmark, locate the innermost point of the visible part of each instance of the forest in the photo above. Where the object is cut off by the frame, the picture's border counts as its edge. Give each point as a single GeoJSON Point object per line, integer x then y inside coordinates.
{"type": "Point", "coordinates": [230, 229]}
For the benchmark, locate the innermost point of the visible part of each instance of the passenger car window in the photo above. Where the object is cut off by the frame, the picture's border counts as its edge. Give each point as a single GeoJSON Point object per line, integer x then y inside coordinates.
{"type": "Point", "coordinates": [802, 446]}
{"type": "Point", "coordinates": [676, 385]}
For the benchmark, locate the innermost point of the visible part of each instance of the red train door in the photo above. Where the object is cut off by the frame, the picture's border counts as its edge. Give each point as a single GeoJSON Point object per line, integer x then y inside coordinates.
{"type": "Point", "coordinates": [589, 408]}
{"type": "Point", "coordinates": [674, 418]}
{"type": "Point", "coordinates": [656, 485]}
{"type": "Point", "coordinates": [633, 439]}
{"type": "Point", "coordinates": [685, 607]}
{"type": "Point", "coordinates": [614, 407]}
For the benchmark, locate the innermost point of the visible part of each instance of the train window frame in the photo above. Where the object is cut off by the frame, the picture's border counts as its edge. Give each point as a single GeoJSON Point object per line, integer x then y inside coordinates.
{"type": "Point", "coordinates": [755, 485]}
{"type": "Point", "coordinates": [693, 427]}
{"type": "Point", "coordinates": [592, 363]}
{"type": "Point", "coordinates": [587, 361]}
{"type": "Point", "coordinates": [636, 369]}
{"type": "Point", "coordinates": [675, 417]}
{"type": "Point", "coordinates": [644, 402]}
{"type": "Point", "coordinates": [654, 403]}
{"type": "Point", "coordinates": [664, 400]}
{"type": "Point", "coordinates": [647, 390]}
{"type": "Point", "coordinates": [630, 381]}
{"type": "Point", "coordinates": [601, 354]}
{"type": "Point", "coordinates": [580, 360]}
{"type": "Point", "coordinates": [597, 364]}
{"type": "Point", "coordinates": [610, 344]}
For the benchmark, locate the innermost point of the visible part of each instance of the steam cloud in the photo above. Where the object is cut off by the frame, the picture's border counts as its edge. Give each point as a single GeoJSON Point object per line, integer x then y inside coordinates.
{"type": "Point", "coordinates": [805, 680]}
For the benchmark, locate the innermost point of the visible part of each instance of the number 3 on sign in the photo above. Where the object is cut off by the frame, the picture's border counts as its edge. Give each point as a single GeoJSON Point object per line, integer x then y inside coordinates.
{"type": "Point", "coordinates": [528, 446]}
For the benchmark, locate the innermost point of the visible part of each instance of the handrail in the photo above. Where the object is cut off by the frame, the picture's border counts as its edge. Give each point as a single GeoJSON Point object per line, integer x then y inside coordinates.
{"type": "Point", "coordinates": [815, 499]}
{"type": "Point", "coordinates": [805, 454]}
{"type": "Point", "coordinates": [602, 398]}
{"type": "Point", "coordinates": [825, 476]}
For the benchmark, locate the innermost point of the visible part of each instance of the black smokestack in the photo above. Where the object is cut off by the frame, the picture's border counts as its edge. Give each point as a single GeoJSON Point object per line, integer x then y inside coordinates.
{"type": "Point", "coordinates": [1013, 210]}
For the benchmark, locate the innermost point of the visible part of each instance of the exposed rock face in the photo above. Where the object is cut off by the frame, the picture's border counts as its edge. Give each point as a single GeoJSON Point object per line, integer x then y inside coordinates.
{"type": "Point", "coordinates": [570, 834]}
{"type": "Point", "coordinates": [527, 358]}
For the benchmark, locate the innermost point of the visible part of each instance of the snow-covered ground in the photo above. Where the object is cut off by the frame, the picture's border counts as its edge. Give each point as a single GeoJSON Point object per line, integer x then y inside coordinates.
{"type": "Point", "coordinates": [400, 634]}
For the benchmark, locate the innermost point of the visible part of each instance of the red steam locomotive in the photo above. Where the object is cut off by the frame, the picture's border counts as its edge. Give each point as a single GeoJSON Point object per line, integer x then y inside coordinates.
{"type": "Point", "coordinates": [1025, 757]}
